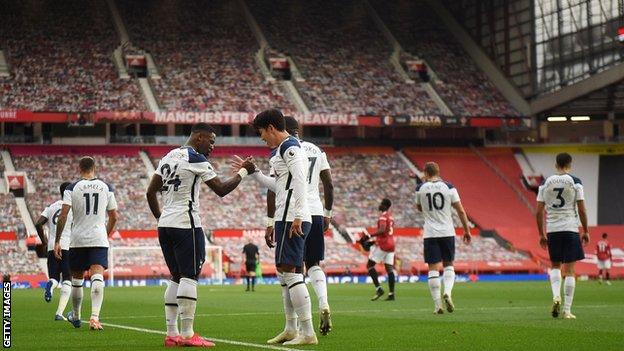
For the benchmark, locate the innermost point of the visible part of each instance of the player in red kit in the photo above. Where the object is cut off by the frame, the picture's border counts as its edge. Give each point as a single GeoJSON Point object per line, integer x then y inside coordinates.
{"type": "Point", "coordinates": [383, 250]}
{"type": "Point", "coordinates": [603, 251]}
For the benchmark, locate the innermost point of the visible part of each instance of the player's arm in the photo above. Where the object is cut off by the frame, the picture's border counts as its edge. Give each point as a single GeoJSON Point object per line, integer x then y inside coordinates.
{"type": "Point", "coordinates": [269, 232]}
{"type": "Point", "coordinates": [112, 220]}
{"type": "Point", "coordinates": [60, 225]}
{"type": "Point", "coordinates": [328, 196]}
{"type": "Point", "coordinates": [381, 227]}
{"type": "Point", "coordinates": [580, 204]}
{"type": "Point", "coordinates": [39, 227]}
{"type": "Point", "coordinates": [539, 218]}
{"type": "Point", "coordinates": [296, 161]}
{"type": "Point", "coordinates": [463, 217]}
{"type": "Point", "coordinates": [583, 217]}
{"type": "Point", "coordinates": [111, 208]}
{"type": "Point", "coordinates": [268, 182]}
{"type": "Point", "coordinates": [154, 187]}
{"type": "Point", "coordinates": [224, 187]}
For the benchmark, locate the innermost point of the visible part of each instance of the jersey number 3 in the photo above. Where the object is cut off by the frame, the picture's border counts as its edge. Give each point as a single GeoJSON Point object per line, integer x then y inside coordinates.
{"type": "Point", "coordinates": [561, 203]}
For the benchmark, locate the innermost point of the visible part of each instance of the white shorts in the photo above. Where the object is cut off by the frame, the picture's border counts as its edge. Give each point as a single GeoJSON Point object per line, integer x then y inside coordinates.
{"type": "Point", "coordinates": [604, 264]}
{"type": "Point", "coordinates": [378, 255]}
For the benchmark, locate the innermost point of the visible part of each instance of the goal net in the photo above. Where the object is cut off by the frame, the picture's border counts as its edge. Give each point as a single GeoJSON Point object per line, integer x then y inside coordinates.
{"type": "Point", "coordinates": [147, 262]}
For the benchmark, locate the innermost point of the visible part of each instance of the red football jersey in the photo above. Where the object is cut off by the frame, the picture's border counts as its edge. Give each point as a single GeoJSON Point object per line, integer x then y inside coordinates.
{"type": "Point", "coordinates": [603, 250]}
{"type": "Point", "coordinates": [385, 241]}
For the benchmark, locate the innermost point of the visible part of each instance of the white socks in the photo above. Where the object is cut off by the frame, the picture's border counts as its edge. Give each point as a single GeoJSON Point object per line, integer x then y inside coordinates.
{"type": "Point", "coordinates": [449, 279]}
{"type": "Point", "coordinates": [289, 310]}
{"type": "Point", "coordinates": [555, 282]}
{"type": "Point", "coordinates": [66, 289]}
{"type": "Point", "coordinates": [171, 309]}
{"type": "Point", "coordinates": [76, 295]}
{"type": "Point", "coordinates": [568, 293]}
{"type": "Point", "coordinates": [97, 295]}
{"type": "Point", "coordinates": [318, 280]}
{"type": "Point", "coordinates": [187, 301]}
{"type": "Point", "coordinates": [54, 283]}
{"type": "Point", "coordinates": [434, 288]}
{"type": "Point", "coordinates": [300, 301]}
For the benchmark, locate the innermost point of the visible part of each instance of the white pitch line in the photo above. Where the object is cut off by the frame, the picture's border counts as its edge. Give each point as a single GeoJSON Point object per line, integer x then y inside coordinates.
{"type": "Point", "coordinates": [223, 341]}
{"type": "Point", "coordinates": [367, 311]}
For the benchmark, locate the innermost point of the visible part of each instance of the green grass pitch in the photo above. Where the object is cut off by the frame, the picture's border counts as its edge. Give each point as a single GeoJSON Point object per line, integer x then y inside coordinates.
{"type": "Point", "coordinates": [489, 316]}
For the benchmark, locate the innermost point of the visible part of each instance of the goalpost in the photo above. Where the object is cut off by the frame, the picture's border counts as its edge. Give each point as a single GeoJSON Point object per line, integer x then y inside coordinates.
{"type": "Point", "coordinates": [147, 262]}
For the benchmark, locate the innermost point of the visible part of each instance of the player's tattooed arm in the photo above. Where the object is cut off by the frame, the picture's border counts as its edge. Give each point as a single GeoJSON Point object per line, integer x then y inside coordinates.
{"type": "Point", "coordinates": [328, 195]}
{"type": "Point", "coordinates": [463, 217]}
{"type": "Point", "coordinates": [39, 227]}
{"type": "Point", "coordinates": [583, 217]}
{"type": "Point", "coordinates": [154, 187]}
{"type": "Point", "coordinates": [539, 218]}
{"type": "Point", "coordinates": [60, 225]}
{"type": "Point", "coordinates": [112, 220]}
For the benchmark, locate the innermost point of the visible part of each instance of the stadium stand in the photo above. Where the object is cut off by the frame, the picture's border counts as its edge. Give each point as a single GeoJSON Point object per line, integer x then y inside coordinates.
{"type": "Point", "coordinates": [205, 53]}
{"type": "Point", "coordinates": [14, 260]}
{"type": "Point", "coordinates": [62, 67]}
{"type": "Point", "coordinates": [465, 89]}
{"type": "Point", "coordinates": [342, 57]}
{"type": "Point", "coordinates": [9, 215]}
{"type": "Point", "coordinates": [47, 169]}
{"type": "Point", "coordinates": [362, 177]}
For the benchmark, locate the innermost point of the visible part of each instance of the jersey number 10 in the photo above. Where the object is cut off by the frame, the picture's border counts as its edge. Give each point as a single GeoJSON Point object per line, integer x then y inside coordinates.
{"type": "Point", "coordinates": [433, 201]}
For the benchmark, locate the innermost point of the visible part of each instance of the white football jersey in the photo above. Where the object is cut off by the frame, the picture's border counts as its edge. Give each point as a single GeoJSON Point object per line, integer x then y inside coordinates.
{"type": "Point", "coordinates": [436, 198]}
{"type": "Point", "coordinates": [317, 162]}
{"type": "Point", "coordinates": [559, 193]}
{"type": "Point", "coordinates": [89, 200]}
{"type": "Point", "coordinates": [52, 213]}
{"type": "Point", "coordinates": [182, 170]}
{"type": "Point", "coordinates": [289, 164]}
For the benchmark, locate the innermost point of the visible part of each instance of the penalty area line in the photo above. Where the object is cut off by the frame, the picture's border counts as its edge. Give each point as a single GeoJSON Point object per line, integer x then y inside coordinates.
{"type": "Point", "coordinates": [216, 340]}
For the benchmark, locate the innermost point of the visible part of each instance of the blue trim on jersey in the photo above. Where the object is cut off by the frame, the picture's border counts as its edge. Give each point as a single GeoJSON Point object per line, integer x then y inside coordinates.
{"type": "Point", "coordinates": [195, 157]}
{"type": "Point", "coordinates": [450, 186]}
{"type": "Point", "coordinates": [543, 181]}
{"type": "Point", "coordinates": [576, 180]}
{"type": "Point", "coordinates": [418, 186]}
{"type": "Point", "coordinates": [291, 141]}
{"type": "Point", "coordinates": [111, 188]}
{"type": "Point", "coordinates": [273, 153]}
{"type": "Point", "coordinates": [71, 186]}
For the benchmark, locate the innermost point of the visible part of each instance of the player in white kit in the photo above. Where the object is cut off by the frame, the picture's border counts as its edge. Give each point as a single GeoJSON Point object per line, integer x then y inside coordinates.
{"type": "Point", "coordinates": [56, 268]}
{"type": "Point", "coordinates": [560, 196]}
{"type": "Point", "coordinates": [293, 224]}
{"type": "Point", "coordinates": [90, 200]}
{"type": "Point", "coordinates": [436, 198]}
{"type": "Point", "coordinates": [314, 250]}
{"type": "Point", "coordinates": [178, 178]}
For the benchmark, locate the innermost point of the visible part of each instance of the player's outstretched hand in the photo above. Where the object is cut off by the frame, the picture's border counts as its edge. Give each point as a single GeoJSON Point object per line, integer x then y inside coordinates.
{"type": "Point", "coordinates": [57, 251]}
{"type": "Point", "coordinates": [467, 238]}
{"type": "Point", "coordinates": [237, 163]}
{"type": "Point", "coordinates": [585, 238]}
{"type": "Point", "coordinates": [269, 237]}
{"type": "Point", "coordinates": [544, 242]}
{"type": "Point", "coordinates": [295, 228]}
